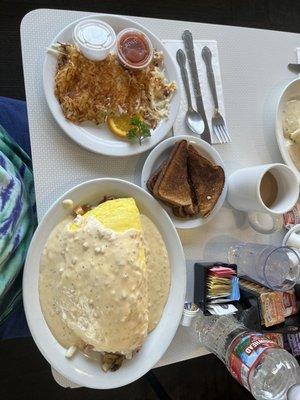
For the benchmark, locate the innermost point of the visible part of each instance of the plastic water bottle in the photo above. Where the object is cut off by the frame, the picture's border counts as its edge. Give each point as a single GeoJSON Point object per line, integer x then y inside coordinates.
{"type": "Point", "coordinates": [259, 364]}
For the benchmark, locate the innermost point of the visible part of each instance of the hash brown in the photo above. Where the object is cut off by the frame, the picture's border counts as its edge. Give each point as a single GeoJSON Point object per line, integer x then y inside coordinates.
{"type": "Point", "coordinates": [94, 90]}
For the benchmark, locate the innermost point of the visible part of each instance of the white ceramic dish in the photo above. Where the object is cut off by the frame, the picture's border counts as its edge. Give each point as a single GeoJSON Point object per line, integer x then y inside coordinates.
{"type": "Point", "coordinates": [295, 229]}
{"type": "Point", "coordinates": [291, 91]}
{"type": "Point", "coordinates": [80, 369]}
{"type": "Point", "coordinates": [98, 138]}
{"type": "Point", "coordinates": [160, 153]}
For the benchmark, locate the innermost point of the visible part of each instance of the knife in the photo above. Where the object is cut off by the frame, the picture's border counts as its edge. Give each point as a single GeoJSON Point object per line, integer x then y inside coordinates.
{"type": "Point", "coordinates": [294, 67]}
{"type": "Point", "coordinates": [189, 48]}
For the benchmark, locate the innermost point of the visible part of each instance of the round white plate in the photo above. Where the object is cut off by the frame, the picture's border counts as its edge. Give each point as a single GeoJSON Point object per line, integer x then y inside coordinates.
{"type": "Point", "coordinates": [290, 92]}
{"type": "Point", "coordinates": [80, 369]}
{"type": "Point", "coordinates": [98, 138]}
{"type": "Point", "coordinates": [161, 152]}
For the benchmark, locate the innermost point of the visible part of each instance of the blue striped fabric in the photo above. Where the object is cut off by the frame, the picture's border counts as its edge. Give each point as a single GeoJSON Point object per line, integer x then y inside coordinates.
{"type": "Point", "coordinates": [17, 219]}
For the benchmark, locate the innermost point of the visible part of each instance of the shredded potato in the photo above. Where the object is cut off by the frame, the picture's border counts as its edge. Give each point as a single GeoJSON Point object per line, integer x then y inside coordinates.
{"type": "Point", "coordinates": [94, 90]}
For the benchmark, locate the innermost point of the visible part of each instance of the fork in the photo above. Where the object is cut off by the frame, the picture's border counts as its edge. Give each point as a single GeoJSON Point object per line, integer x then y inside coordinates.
{"type": "Point", "coordinates": [218, 123]}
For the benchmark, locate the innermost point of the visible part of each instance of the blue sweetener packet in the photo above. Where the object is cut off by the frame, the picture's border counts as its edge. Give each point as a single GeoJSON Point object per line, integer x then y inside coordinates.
{"type": "Point", "coordinates": [235, 289]}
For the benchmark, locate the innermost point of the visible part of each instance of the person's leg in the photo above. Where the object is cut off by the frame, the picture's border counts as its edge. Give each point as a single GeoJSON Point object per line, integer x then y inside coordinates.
{"type": "Point", "coordinates": [15, 325]}
{"type": "Point", "coordinates": [13, 118]}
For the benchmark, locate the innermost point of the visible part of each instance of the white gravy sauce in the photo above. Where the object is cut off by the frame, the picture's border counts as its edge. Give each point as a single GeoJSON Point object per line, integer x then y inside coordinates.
{"type": "Point", "coordinates": [158, 271]}
{"type": "Point", "coordinates": [95, 287]}
{"type": "Point", "coordinates": [291, 128]}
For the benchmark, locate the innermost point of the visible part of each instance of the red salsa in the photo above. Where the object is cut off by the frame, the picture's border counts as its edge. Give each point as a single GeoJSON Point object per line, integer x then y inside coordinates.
{"type": "Point", "coordinates": [134, 49]}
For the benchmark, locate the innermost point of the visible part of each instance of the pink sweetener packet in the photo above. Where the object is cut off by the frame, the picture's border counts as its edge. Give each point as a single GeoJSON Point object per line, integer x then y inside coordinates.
{"type": "Point", "coordinates": [222, 271]}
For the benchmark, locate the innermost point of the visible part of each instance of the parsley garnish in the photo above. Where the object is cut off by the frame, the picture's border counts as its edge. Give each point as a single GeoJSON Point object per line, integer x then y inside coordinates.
{"type": "Point", "coordinates": [139, 130]}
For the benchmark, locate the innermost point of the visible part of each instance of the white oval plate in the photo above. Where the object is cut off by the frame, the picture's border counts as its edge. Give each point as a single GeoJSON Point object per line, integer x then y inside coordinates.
{"type": "Point", "coordinates": [80, 369]}
{"type": "Point", "coordinates": [98, 138]}
{"type": "Point", "coordinates": [290, 92]}
{"type": "Point", "coordinates": [160, 153]}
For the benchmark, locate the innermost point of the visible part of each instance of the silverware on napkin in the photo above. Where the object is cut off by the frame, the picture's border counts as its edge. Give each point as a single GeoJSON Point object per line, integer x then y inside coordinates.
{"type": "Point", "coordinates": [193, 118]}
{"type": "Point", "coordinates": [218, 123]}
{"type": "Point", "coordinates": [189, 48]}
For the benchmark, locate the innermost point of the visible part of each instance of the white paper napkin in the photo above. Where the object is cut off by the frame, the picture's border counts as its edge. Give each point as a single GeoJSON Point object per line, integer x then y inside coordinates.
{"type": "Point", "coordinates": [180, 126]}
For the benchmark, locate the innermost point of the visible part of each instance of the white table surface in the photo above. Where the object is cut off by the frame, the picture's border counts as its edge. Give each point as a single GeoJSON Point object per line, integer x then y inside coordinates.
{"type": "Point", "coordinates": [254, 67]}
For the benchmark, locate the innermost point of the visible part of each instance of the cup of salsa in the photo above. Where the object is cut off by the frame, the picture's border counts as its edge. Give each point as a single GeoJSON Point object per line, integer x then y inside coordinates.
{"type": "Point", "coordinates": [134, 49]}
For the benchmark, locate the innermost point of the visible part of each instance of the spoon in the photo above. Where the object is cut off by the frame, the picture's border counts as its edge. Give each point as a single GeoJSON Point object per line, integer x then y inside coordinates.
{"type": "Point", "coordinates": [193, 118]}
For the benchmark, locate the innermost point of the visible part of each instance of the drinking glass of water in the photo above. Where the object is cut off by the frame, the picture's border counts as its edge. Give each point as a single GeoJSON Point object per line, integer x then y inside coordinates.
{"type": "Point", "coordinates": [275, 267]}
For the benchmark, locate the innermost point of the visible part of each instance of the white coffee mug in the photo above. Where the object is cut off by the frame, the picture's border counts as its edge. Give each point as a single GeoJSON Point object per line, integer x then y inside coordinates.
{"type": "Point", "coordinates": [244, 194]}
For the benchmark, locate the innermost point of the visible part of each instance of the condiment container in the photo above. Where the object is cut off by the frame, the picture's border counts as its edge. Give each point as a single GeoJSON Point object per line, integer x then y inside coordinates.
{"type": "Point", "coordinates": [134, 49]}
{"type": "Point", "coordinates": [189, 312]}
{"type": "Point", "coordinates": [292, 238]}
{"type": "Point", "coordinates": [94, 38]}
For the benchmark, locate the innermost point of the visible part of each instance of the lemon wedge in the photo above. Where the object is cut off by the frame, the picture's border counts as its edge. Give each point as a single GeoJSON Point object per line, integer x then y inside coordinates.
{"type": "Point", "coordinates": [119, 125]}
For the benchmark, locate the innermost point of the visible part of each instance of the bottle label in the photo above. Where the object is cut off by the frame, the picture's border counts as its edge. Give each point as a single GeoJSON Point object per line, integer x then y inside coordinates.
{"type": "Point", "coordinates": [245, 353]}
{"type": "Point", "coordinates": [292, 217]}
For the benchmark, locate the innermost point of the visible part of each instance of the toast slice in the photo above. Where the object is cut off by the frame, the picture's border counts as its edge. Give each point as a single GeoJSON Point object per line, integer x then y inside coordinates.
{"type": "Point", "coordinates": [172, 185]}
{"type": "Point", "coordinates": [153, 178]}
{"type": "Point", "coordinates": [207, 181]}
{"type": "Point", "coordinates": [186, 211]}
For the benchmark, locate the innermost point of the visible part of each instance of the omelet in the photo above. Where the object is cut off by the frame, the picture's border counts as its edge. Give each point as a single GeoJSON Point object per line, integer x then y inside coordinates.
{"type": "Point", "coordinates": [104, 278]}
{"type": "Point", "coordinates": [101, 294]}
{"type": "Point", "coordinates": [118, 215]}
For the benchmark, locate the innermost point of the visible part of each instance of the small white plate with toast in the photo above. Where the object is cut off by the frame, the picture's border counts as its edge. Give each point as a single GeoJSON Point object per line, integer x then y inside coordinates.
{"type": "Point", "coordinates": [161, 154]}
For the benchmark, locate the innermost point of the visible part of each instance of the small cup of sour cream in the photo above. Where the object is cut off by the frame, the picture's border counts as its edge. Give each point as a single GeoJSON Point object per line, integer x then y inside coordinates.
{"type": "Point", "coordinates": [94, 38]}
